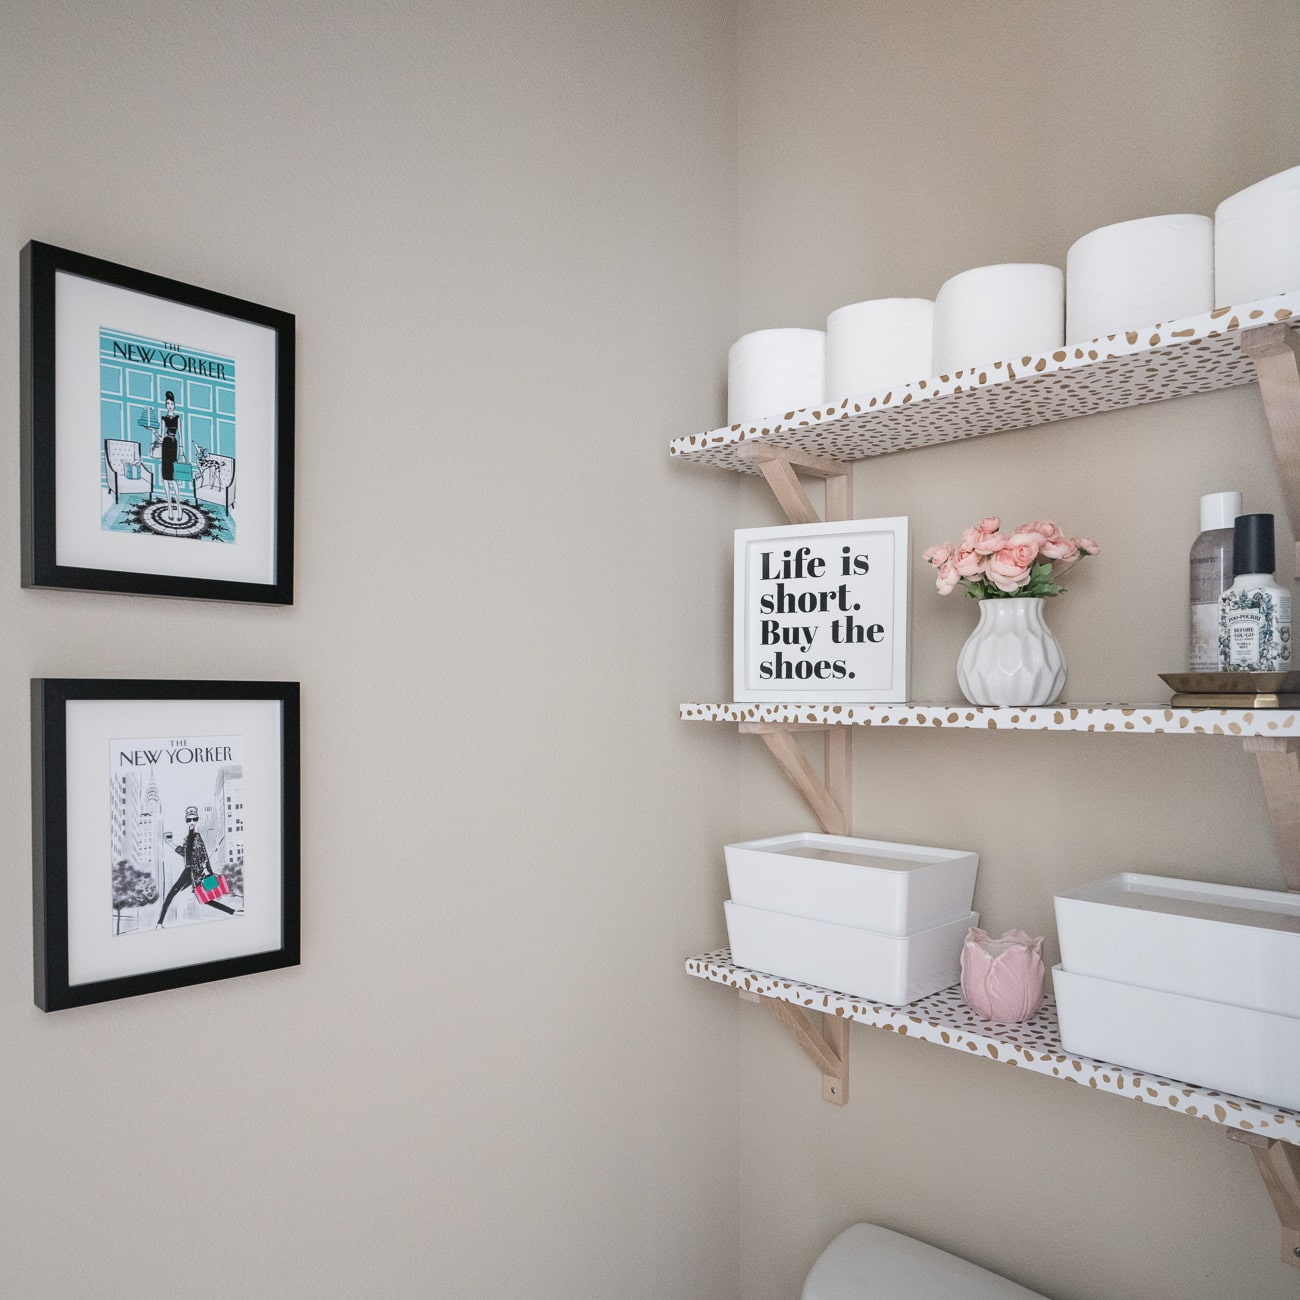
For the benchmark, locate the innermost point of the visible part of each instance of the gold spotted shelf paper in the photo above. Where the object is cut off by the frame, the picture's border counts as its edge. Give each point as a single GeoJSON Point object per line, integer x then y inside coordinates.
{"type": "Point", "coordinates": [945, 1019]}
{"type": "Point", "coordinates": [1196, 354]}
{"type": "Point", "coordinates": [1137, 718]}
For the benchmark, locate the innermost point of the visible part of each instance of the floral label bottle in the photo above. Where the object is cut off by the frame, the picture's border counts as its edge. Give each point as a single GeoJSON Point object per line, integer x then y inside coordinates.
{"type": "Point", "coordinates": [1255, 635]}
{"type": "Point", "coordinates": [1255, 612]}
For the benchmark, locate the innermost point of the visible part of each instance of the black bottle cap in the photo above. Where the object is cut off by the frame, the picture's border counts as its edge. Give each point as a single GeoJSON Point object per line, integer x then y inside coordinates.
{"type": "Point", "coordinates": [1252, 545]}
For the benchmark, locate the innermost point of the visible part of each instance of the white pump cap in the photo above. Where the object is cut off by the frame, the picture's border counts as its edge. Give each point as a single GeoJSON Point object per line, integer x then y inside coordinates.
{"type": "Point", "coordinates": [1219, 510]}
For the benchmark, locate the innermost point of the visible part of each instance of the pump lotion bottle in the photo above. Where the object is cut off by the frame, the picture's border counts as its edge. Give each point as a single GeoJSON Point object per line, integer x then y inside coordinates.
{"type": "Point", "coordinates": [1211, 576]}
{"type": "Point", "coordinates": [1255, 612]}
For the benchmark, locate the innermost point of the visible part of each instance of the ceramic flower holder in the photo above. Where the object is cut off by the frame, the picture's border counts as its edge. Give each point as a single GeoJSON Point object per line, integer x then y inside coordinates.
{"type": "Point", "coordinates": [1011, 658]}
{"type": "Point", "coordinates": [1002, 979]}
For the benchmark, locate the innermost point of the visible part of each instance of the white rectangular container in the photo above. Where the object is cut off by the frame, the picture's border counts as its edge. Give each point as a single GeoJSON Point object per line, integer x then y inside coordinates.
{"type": "Point", "coordinates": [1221, 942]}
{"type": "Point", "coordinates": [1253, 1053]}
{"type": "Point", "coordinates": [862, 963]}
{"type": "Point", "coordinates": [870, 884]}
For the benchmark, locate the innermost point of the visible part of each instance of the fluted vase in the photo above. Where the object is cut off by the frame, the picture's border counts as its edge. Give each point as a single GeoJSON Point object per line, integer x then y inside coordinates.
{"type": "Point", "coordinates": [1011, 658]}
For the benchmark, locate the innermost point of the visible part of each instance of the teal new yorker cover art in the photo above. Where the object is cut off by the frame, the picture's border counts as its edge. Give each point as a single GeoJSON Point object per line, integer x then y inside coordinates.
{"type": "Point", "coordinates": [167, 439]}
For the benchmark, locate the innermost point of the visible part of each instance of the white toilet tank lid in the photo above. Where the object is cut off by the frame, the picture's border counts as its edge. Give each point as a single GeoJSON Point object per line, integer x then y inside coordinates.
{"type": "Point", "coordinates": [867, 1261]}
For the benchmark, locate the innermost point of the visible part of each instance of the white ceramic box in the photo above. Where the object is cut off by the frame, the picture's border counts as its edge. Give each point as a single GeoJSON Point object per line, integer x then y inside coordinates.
{"type": "Point", "coordinates": [1254, 1054]}
{"type": "Point", "coordinates": [870, 884]}
{"type": "Point", "coordinates": [1221, 942]}
{"type": "Point", "coordinates": [862, 963]}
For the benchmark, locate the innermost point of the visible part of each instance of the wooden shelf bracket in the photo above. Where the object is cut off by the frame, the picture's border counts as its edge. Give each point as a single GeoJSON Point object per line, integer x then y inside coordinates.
{"type": "Point", "coordinates": [1279, 772]}
{"type": "Point", "coordinates": [825, 1045]}
{"type": "Point", "coordinates": [831, 800]}
{"type": "Point", "coordinates": [780, 468]}
{"type": "Point", "coordinates": [1272, 350]}
{"type": "Point", "coordinates": [1279, 1166]}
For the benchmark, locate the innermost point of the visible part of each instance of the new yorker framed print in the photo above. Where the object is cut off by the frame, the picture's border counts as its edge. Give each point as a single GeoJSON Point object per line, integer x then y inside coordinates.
{"type": "Point", "coordinates": [157, 434]}
{"type": "Point", "coordinates": [821, 612]}
{"type": "Point", "coordinates": [165, 834]}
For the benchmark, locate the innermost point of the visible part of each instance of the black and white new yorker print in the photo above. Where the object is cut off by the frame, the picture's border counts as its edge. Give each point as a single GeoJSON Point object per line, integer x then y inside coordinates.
{"type": "Point", "coordinates": [176, 831]}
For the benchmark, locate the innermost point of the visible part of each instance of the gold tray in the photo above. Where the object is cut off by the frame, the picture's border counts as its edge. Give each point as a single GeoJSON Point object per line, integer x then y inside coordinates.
{"type": "Point", "coordinates": [1233, 683]}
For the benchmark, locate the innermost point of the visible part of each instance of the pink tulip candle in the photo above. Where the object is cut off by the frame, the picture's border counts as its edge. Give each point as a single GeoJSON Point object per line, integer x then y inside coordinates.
{"type": "Point", "coordinates": [1002, 979]}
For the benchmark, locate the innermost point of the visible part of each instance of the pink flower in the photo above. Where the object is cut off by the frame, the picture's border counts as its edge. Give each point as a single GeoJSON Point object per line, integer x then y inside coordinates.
{"type": "Point", "coordinates": [970, 564]}
{"type": "Point", "coordinates": [984, 537]}
{"type": "Point", "coordinates": [1061, 548]}
{"type": "Point", "coordinates": [939, 555]}
{"type": "Point", "coordinates": [987, 543]}
{"type": "Point", "coordinates": [1006, 582]}
{"type": "Point", "coordinates": [1043, 527]}
{"type": "Point", "coordinates": [1023, 548]}
{"type": "Point", "coordinates": [1087, 546]}
{"type": "Point", "coordinates": [1002, 979]}
{"type": "Point", "coordinates": [947, 579]}
{"type": "Point", "coordinates": [1006, 571]}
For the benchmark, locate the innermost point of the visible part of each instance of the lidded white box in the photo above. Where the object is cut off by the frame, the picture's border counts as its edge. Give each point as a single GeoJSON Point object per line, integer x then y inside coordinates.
{"type": "Point", "coordinates": [893, 968]}
{"type": "Point", "coordinates": [871, 884]}
{"type": "Point", "coordinates": [1251, 1053]}
{"type": "Point", "coordinates": [1223, 943]}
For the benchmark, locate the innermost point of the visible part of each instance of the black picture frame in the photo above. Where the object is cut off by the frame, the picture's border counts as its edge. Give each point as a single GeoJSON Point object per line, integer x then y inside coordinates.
{"type": "Point", "coordinates": [41, 265]}
{"type": "Point", "coordinates": [51, 697]}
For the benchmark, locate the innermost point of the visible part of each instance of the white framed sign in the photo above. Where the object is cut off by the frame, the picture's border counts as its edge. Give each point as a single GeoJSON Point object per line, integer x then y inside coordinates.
{"type": "Point", "coordinates": [821, 612]}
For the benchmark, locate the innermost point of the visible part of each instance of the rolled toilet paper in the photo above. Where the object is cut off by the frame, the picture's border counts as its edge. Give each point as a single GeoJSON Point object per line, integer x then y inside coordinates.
{"type": "Point", "coordinates": [878, 344]}
{"type": "Point", "coordinates": [1137, 273]}
{"type": "Point", "coordinates": [1257, 241]}
{"type": "Point", "coordinates": [770, 372]}
{"type": "Point", "coordinates": [993, 312]}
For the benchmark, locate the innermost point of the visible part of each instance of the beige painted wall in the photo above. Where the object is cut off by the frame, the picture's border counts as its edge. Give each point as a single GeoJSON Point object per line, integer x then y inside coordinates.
{"type": "Point", "coordinates": [508, 232]}
{"type": "Point", "coordinates": [486, 1078]}
{"type": "Point", "coordinates": [883, 148]}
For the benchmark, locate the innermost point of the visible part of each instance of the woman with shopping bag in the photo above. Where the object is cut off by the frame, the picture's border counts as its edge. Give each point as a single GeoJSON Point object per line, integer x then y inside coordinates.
{"type": "Point", "coordinates": [198, 875]}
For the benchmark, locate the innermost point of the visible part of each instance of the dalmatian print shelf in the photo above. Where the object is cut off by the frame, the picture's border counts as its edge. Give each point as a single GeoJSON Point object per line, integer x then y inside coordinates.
{"type": "Point", "coordinates": [945, 1019]}
{"type": "Point", "coordinates": [1150, 719]}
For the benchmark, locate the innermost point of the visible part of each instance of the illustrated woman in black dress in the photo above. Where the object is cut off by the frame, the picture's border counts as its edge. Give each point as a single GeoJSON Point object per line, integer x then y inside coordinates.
{"type": "Point", "coordinates": [195, 853]}
{"type": "Point", "coordinates": [171, 426]}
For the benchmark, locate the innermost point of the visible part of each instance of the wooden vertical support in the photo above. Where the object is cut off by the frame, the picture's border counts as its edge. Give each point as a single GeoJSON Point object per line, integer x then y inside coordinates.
{"type": "Point", "coordinates": [1272, 349]}
{"type": "Point", "coordinates": [794, 763]}
{"type": "Point", "coordinates": [831, 799]}
{"type": "Point", "coordinates": [839, 495]}
{"type": "Point", "coordinates": [827, 1047]}
{"type": "Point", "coordinates": [1279, 1165]}
{"type": "Point", "coordinates": [839, 774]}
{"type": "Point", "coordinates": [835, 1087]}
{"type": "Point", "coordinates": [1279, 771]}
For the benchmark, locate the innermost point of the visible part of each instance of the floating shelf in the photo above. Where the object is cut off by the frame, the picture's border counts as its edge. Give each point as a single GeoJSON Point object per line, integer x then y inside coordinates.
{"type": "Point", "coordinates": [1196, 354]}
{"type": "Point", "coordinates": [1156, 719]}
{"type": "Point", "coordinates": [945, 1019]}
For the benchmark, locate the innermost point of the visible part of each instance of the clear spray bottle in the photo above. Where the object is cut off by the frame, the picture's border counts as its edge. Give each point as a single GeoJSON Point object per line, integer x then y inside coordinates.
{"type": "Point", "coordinates": [1211, 576]}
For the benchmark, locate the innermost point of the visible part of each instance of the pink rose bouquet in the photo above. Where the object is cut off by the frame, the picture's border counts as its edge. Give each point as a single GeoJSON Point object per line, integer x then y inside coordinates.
{"type": "Point", "coordinates": [1027, 562]}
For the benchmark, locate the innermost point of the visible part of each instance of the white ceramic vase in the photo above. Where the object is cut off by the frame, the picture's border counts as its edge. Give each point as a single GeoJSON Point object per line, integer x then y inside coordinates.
{"type": "Point", "coordinates": [1011, 657]}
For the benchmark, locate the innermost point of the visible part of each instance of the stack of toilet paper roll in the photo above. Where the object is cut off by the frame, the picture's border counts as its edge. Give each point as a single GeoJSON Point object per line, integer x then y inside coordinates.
{"type": "Point", "coordinates": [1120, 277]}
